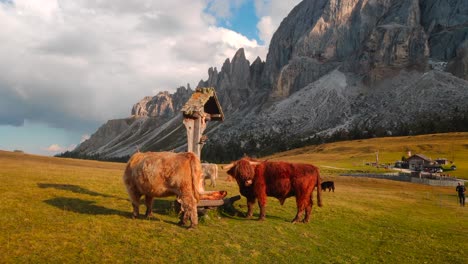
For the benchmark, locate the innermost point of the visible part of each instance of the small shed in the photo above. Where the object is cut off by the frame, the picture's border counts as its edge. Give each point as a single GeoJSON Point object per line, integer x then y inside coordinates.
{"type": "Point", "coordinates": [202, 106]}
{"type": "Point", "coordinates": [418, 162]}
{"type": "Point", "coordinates": [442, 161]}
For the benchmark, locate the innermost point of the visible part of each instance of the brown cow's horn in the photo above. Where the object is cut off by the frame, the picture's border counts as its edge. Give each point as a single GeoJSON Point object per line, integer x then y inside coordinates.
{"type": "Point", "coordinates": [255, 163]}
{"type": "Point", "coordinates": [227, 167]}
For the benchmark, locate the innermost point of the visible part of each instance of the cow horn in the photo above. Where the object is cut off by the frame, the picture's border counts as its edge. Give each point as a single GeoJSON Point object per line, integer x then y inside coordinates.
{"type": "Point", "coordinates": [227, 167]}
{"type": "Point", "coordinates": [254, 163]}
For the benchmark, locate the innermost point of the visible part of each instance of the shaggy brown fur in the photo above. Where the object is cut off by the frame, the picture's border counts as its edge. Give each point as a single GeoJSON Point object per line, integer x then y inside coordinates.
{"type": "Point", "coordinates": [160, 174]}
{"type": "Point", "coordinates": [280, 180]}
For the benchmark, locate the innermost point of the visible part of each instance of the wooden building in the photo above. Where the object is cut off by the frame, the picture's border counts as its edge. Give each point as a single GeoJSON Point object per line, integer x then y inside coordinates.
{"type": "Point", "coordinates": [418, 162]}
{"type": "Point", "coordinates": [202, 106]}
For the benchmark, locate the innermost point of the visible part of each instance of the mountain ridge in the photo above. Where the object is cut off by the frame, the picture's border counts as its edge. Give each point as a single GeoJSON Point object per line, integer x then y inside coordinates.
{"type": "Point", "coordinates": [334, 68]}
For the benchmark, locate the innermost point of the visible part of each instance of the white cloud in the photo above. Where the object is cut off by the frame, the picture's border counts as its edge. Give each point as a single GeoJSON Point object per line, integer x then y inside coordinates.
{"type": "Point", "coordinates": [76, 63]}
{"type": "Point", "coordinates": [266, 29]}
{"type": "Point", "coordinates": [224, 8]}
{"type": "Point", "coordinates": [44, 9]}
{"type": "Point", "coordinates": [56, 148]}
{"type": "Point", "coordinates": [271, 13]}
{"type": "Point", "coordinates": [84, 138]}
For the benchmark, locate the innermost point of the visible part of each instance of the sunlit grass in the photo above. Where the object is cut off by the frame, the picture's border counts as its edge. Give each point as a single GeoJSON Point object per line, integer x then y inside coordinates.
{"type": "Point", "coordinates": [66, 211]}
{"type": "Point", "coordinates": [353, 155]}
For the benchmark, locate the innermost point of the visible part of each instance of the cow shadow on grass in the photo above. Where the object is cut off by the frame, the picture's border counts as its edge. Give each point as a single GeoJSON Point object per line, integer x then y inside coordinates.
{"type": "Point", "coordinates": [239, 212]}
{"type": "Point", "coordinates": [242, 216]}
{"type": "Point", "coordinates": [164, 207]}
{"type": "Point", "coordinates": [83, 206]}
{"type": "Point", "coordinates": [160, 206]}
{"type": "Point", "coordinates": [74, 189]}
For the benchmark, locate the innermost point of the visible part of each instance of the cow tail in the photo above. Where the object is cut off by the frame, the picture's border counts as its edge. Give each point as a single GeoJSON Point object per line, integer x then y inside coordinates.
{"type": "Point", "coordinates": [196, 174]}
{"type": "Point", "coordinates": [319, 189]}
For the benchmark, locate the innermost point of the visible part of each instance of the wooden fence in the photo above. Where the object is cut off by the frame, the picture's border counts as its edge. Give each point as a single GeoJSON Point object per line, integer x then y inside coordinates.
{"type": "Point", "coordinates": [432, 180]}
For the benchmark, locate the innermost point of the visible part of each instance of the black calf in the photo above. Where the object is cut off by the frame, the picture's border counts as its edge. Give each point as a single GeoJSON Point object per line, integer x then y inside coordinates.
{"type": "Point", "coordinates": [330, 185]}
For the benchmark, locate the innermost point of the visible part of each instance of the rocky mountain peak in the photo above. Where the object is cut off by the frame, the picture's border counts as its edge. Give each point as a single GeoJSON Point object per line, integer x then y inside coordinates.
{"type": "Point", "coordinates": [235, 83]}
{"type": "Point", "coordinates": [140, 109]}
{"type": "Point", "coordinates": [163, 104]}
{"type": "Point", "coordinates": [226, 66]}
{"type": "Point", "coordinates": [350, 68]}
{"type": "Point", "coordinates": [257, 61]}
{"type": "Point", "coordinates": [239, 56]}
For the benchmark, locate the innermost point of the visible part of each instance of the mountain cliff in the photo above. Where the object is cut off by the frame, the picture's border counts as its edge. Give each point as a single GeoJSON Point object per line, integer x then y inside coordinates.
{"type": "Point", "coordinates": [335, 69]}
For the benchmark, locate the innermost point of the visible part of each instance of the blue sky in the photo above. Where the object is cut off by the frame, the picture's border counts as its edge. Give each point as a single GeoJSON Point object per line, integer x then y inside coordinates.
{"type": "Point", "coordinates": [38, 138]}
{"type": "Point", "coordinates": [243, 20]}
{"type": "Point", "coordinates": [66, 67]}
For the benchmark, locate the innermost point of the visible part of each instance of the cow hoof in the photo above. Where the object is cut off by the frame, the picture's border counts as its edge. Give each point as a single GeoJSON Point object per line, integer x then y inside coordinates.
{"type": "Point", "coordinates": [192, 228]}
{"type": "Point", "coordinates": [149, 216]}
{"type": "Point", "coordinates": [261, 219]}
{"type": "Point", "coordinates": [181, 223]}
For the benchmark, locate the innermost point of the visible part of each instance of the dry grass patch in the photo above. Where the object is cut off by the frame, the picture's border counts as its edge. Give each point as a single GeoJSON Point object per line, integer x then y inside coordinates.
{"type": "Point", "coordinates": [66, 211]}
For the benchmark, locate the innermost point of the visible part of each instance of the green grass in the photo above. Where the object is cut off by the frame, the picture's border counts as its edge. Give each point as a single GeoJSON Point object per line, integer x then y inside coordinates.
{"type": "Point", "coordinates": [57, 210]}
{"type": "Point", "coordinates": [352, 155]}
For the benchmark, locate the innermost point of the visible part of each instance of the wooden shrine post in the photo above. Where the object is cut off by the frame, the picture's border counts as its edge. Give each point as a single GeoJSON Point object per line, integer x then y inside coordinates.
{"type": "Point", "coordinates": [195, 129]}
{"type": "Point", "coordinates": [202, 107]}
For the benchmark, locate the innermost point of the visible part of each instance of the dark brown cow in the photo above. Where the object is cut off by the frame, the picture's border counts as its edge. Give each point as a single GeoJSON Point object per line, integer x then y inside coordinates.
{"type": "Point", "coordinates": [281, 180]}
{"type": "Point", "coordinates": [161, 174]}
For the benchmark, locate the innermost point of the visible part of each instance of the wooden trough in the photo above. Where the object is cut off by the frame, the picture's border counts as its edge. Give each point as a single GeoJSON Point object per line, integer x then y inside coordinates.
{"type": "Point", "coordinates": [211, 199]}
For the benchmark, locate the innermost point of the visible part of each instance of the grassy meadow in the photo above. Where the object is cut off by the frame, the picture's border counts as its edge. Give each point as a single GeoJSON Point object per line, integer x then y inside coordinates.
{"type": "Point", "coordinates": [353, 155]}
{"type": "Point", "coordinates": [55, 210]}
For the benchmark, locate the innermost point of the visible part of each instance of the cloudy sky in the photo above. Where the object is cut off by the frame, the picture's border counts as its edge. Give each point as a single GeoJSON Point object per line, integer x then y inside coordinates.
{"type": "Point", "coordinates": [68, 66]}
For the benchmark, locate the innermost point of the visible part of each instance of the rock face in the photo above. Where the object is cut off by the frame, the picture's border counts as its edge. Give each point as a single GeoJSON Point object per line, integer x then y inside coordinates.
{"type": "Point", "coordinates": [163, 104]}
{"type": "Point", "coordinates": [446, 23]}
{"type": "Point", "coordinates": [106, 133]}
{"type": "Point", "coordinates": [150, 117]}
{"type": "Point", "coordinates": [236, 82]}
{"type": "Point", "coordinates": [458, 65]}
{"type": "Point", "coordinates": [362, 66]}
{"type": "Point", "coordinates": [382, 37]}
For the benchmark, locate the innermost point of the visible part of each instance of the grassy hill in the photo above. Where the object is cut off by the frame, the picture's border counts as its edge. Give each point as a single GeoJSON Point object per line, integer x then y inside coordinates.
{"type": "Point", "coordinates": [56, 210]}
{"type": "Point", "coordinates": [353, 155]}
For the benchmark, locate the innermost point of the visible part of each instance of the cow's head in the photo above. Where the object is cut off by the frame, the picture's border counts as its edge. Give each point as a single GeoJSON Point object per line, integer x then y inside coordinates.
{"type": "Point", "coordinates": [243, 171]}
